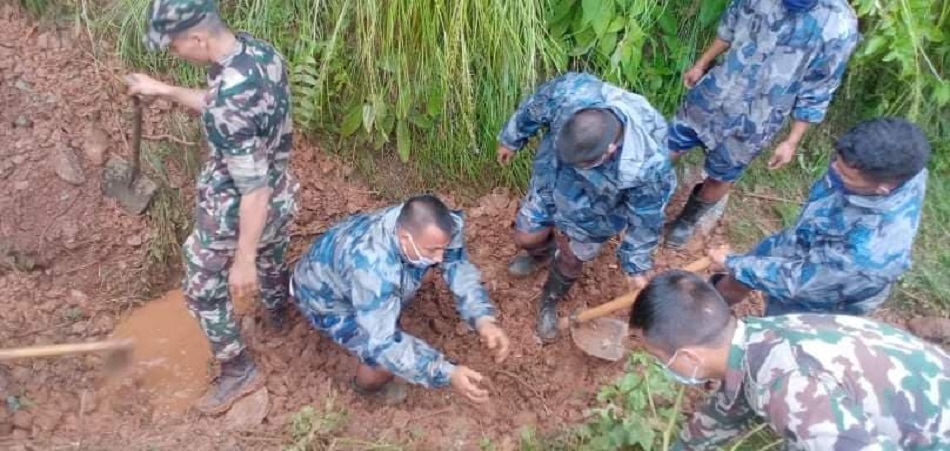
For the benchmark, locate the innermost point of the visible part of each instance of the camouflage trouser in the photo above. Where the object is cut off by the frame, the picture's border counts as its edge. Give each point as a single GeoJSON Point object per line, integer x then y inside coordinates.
{"type": "Point", "coordinates": [776, 307]}
{"type": "Point", "coordinates": [726, 162]}
{"type": "Point", "coordinates": [535, 214]}
{"type": "Point", "coordinates": [206, 287]}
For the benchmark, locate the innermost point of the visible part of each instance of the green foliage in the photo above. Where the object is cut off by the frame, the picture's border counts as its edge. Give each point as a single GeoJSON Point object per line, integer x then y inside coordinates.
{"type": "Point", "coordinates": [638, 44]}
{"type": "Point", "coordinates": [312, 430]}
{"type": "Point", "coordinates": [640, 411]}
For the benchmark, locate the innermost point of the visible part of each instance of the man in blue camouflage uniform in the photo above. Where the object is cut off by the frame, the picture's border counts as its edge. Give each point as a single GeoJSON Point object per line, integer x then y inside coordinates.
{"type": "Point", "coordinates": [601, 168]}
{"type": "Point", "coordinates": [855, 233]}
{"type": "Point", "coordinates": [821, 382]}
{"type": "Point", "coordinates": [783, 58]}
{"type": "Point", "coordinates": [357, 278]}
{"type": "Point", "coordinates": [246, 195]}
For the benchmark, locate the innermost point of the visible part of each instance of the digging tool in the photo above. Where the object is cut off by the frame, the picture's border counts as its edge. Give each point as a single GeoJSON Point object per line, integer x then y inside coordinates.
{"type": "Point", "coordinates": [122, 180]}
{"type": "Point", "coordinates": [118, 351]}
{"type": "Point", "coordinates": [604, 337]}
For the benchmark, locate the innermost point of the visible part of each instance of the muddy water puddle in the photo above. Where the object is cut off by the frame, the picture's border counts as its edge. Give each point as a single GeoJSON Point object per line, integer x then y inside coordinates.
{"type": "Point", "coordinates": [171, 356]}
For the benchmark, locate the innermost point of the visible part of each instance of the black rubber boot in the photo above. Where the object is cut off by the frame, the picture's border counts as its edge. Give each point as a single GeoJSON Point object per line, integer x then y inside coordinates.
{"type": "Point", "coordinates": [530, 260]}
{"type": "Point", "coordinates": [390, 394]}
{"type": "Point", "coordinates": [239, 377]}
{"type": "Point", "coordinates": [555, 288]}
{"type": "Point", "coordinates": [685, 224]}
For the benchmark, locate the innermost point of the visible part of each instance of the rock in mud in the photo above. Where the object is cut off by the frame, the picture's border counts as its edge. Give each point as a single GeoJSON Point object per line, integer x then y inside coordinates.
{"type": "Point", "coordinates": [249, 411]}
{"type": "Point", "coordinates": [931, 328]}
{"type": "Point", "coordinates": [66, 164]}
{"type": "Point", "coordinates": [22, 122]}
{"type": "Point", "coordinates": [95, 144]}
{"type": "Point", "coordinates": [22, 419]}
{"type": "Point", "coordinates": [525, 418]}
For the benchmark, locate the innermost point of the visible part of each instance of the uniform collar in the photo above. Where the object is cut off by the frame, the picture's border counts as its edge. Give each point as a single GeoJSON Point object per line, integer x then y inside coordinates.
{"type": "Point", "coordinates": [899, 196]}
{"type": "Point", "coordinates": [736, 371]}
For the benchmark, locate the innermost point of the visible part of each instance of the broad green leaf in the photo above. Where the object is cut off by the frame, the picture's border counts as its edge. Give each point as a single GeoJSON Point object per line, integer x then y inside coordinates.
{"type": "Point", "coordinates": [403, 142]}
{"type": "Point", "coordinates": [352, 120]}
{"type": "Point", "coordinates": [607, 44]}
{"type": "Point", "coordinates": [590, 9]}
{"type": "Point", "coordinates": [369, 117]}
{"type": "Point", "coordinates": [710, 10]}
{"type": "Point", "coordinates": [604, 16]}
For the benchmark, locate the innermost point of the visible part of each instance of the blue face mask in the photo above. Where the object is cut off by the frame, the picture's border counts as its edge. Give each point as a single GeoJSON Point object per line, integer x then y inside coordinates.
{"type": "Point", "coordinates": [799, 5]}
{"type": "Point", "coordinates": [691, 380]}
{"type": "Point", "coordinates": [837, 183]}
{"type": "Point", "coordinates": [422, 262]}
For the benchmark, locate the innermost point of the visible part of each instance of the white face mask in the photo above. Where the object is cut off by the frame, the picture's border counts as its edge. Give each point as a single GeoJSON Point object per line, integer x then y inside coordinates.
{"type": "Point", "coordinates": [691, 380]}
{"type": "Point", "coordinates": [422, 261]}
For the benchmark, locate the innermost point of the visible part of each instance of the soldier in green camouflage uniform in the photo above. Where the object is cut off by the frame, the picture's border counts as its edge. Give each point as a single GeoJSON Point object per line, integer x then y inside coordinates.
{"type": "Point", "coordinates": [246, 195]}
{"type": "Point", "coordinates": [832, 382]}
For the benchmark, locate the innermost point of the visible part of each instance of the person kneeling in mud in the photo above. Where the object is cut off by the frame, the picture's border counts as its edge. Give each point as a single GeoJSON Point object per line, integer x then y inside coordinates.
{"type": "Point", "coordinates": [601, 169]}
{"type": "Point", "coordinates": [854, 236]}
{"type": "Point", "coordinates": [355, 280]}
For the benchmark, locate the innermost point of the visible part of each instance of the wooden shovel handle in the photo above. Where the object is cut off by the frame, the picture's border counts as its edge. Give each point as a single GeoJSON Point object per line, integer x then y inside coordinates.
{"type": "Point", "coordinates": [622, 302]}
{"type": "Point", "coordinates": [64, 349]}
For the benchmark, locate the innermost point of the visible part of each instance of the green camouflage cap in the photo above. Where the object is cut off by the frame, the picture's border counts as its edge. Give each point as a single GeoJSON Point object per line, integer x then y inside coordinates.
{"type": "Point", "coordinates": [169, 17]}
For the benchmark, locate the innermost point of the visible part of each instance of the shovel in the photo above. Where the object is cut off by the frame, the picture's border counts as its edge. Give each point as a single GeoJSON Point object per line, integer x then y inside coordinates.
{"type": "Point", "coordinates": [121, 180]}
{"type": "Point", "coordinates": [117, 351]}
{"type": "Point", "coordinates": [604, 337]}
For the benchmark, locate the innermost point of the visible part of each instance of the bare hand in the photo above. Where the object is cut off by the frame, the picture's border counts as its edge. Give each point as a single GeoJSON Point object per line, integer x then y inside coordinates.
{"type": "Point", "coordinates": [465, 381]}
{"type": "Point", "coordinates": [782, 155]}
{"type": "Point", "coordinates": [693, 75]}
{"type": "Point", "coordinates": [637, 283]}
{"type": "Point", "coordinates": [494, 338]}
{"type": "Point", "coordinates": [505, 155]}
{"type": "Point", "coordinates": [242, 281]}
{"type": "Point", "coordinates": [718, 257]}
{"type": "Point", "coordinates": [143, 85]}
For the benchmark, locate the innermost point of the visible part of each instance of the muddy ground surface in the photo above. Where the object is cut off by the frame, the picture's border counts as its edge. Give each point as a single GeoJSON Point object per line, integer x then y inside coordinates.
{"type": "Point", "coordinates": [80, 267]}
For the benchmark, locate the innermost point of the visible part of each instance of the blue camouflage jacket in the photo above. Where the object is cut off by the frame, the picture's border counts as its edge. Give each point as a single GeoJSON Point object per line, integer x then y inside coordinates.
{"type": "Point", "coordinates": [629, 191]}
{"type": "Point", "coordinates": [357, 270]}
{"type": "Point", "coordinates": [780, 63]}
{"type": "Point", "coordinates": [843, 249]}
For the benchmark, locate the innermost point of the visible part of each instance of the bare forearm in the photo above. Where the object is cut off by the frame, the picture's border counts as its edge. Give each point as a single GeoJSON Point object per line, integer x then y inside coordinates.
{"type": "Point", "coordinates": [718, 46]}
{"type": "Point", "coordinates": [193, 99]}
{"type": "Point", "coordinates": [798, 132]}
{"type": "Point", "coordinates": [252, 217]}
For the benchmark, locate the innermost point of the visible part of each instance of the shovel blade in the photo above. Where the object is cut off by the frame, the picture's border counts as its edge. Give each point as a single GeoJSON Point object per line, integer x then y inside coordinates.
{"type": "Point", "coordinates": [133, 197]}
{"type": "Point", "coordinates": [604, 338]}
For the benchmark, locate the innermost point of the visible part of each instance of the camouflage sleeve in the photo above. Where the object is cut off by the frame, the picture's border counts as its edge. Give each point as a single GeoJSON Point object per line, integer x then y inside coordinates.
{"type": "Point", "coordinates": [534, 112]}
{"type": "Point", "coordinates": [235, 130]}
{"type": "Point", "coordinates": [825, 275]}
{"type": "Point", "coordinates": [823, 77]}
{"type": "Point", "coordinates": [377, 313]}
{"type": "Point", "coordinates": [643, 208]}
{"type": "Point", "coordinates": [813, 412]}
{"type": "Point", "coordinates": [727, 24]}
{"type": "Point", "coordinates": [465, 280]}
{"type": "Point", "coordinates": [714, 425]}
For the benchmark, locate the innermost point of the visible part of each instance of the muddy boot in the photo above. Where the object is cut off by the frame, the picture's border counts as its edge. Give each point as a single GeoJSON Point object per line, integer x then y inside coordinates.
{"type": "Point", "coordinates": [529, 261]}
{"type": "Point", "coordinates": [239, 377]}
{"type": "Point", "coordinates": [390, 394]}
{"type": "Point", "coordinates": [685, 224]}
{"type": "Point", "coordinates": [277, 318]}
{"type": "Point", "coordinates": [555, 288]}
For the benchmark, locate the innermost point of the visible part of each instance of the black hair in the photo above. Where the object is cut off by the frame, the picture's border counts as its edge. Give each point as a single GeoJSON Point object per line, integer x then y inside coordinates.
{"type": "Point", "coordinates": [679, 309]}
{"type": "Point", "coordinates": [421, 211]}
{"type": "Point", "coordinates": [885, 149]}
{"type": "Point", "coordinates": [586, 135]}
